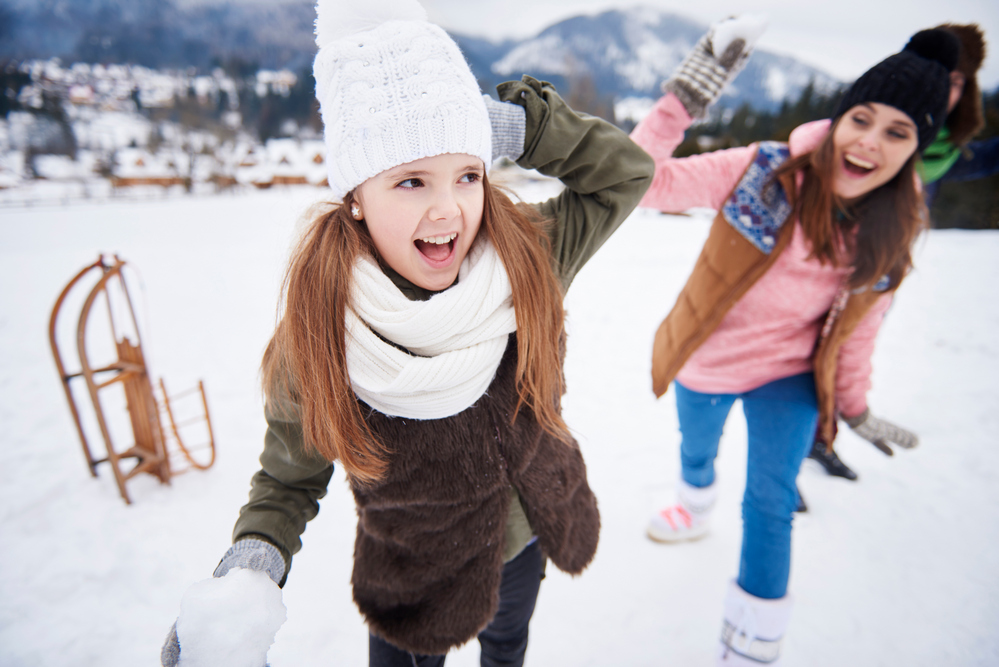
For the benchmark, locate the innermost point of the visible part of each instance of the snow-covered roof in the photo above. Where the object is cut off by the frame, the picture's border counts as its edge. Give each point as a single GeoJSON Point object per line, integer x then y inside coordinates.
{"type": "Point", "coordinates": [140, 163]}
{"type": "Point", "coordinates": [284, 158]}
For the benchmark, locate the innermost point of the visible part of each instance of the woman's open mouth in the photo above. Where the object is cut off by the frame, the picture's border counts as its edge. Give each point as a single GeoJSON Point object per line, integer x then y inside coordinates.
{"type": "Point", "coordinates": [857, 166]}
{"type": "Point", "coordinates": [437, 248]}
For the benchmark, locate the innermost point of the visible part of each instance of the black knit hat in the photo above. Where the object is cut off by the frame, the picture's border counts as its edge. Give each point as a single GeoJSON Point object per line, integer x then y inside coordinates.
{"type": "Point", "coordinates": [916, 81]}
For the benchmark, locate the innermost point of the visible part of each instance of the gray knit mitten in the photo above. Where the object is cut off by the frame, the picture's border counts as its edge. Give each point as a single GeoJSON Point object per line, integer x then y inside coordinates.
{"type": "Point", "coordinates": [881, 433]}
{"type": "Point", "coordinates": [509, 125]}
{"type": "Point", "coordinates": [251, 554]}
{"type": "Point", "coordinates": [715, 61]}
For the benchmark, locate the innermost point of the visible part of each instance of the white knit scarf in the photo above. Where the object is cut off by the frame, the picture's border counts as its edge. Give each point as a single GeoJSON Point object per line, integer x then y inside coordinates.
{"type": "Point", "coordinates": [457, 338]}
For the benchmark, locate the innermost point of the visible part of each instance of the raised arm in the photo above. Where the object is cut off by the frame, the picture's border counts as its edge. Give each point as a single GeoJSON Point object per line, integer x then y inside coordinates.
{"type": "Point", "coordinates": [698, 181]}
{"type": "Point", "coordinates": [605, 174]}
{"type": "Point", "coordinates": [701, 180]}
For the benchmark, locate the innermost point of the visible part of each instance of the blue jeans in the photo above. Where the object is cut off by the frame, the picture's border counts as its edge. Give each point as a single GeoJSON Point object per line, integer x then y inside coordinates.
{"type": "Point", "coordinates": [504, 640]}
{"type": "Point", "coordinates": [781, 418]}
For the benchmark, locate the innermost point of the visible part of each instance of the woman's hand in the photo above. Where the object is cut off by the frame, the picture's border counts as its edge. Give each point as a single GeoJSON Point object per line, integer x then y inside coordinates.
{"type": "Point", "coordinates": [881, 433]}
{"type": "Point", "coordinates": [716, 60]}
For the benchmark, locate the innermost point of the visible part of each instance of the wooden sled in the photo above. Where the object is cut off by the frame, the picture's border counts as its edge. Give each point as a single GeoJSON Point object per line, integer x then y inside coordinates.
{"type": "Point", "coordinates": [128, 369]}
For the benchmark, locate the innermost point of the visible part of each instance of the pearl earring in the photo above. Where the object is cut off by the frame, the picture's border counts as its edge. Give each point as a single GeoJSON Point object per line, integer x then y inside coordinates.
{"type": "Point", "coordinates": [355, 211]}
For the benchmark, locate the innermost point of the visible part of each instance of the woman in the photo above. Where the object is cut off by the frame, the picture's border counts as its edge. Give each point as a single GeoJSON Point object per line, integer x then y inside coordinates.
{"type": "Point", "coordinates": [953, 156]}
{"type": "Point", "coordinates": [785, 300]}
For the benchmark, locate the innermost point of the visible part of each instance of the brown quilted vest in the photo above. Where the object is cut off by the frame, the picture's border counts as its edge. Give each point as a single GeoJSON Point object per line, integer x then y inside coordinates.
{"type": "Point", "coordinates": [745, 239]}
{"type": "Point", "coordinates": [429, 549]}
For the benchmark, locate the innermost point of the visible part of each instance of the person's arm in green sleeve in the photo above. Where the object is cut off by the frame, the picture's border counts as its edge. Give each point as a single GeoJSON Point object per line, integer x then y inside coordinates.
{"type": "Point", "coordinates": [605, 173]}
{"type": "Point", "coordinates": [285, 493]}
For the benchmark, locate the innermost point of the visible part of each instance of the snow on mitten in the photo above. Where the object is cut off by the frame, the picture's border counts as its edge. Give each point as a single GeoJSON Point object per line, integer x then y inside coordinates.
{"type": "Point", "coordinates": [881, 433]}
{"type": "Point", "coordinates": [716, 60]}
{"type": "Point", "coordinates": [230, 620]}
{"type": "Point", "coordinates": [249, 555]}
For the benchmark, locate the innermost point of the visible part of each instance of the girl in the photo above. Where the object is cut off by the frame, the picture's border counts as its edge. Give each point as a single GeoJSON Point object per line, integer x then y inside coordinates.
{"type": "Point", "coordinates": [785, 300]}
{"type": "Point", "coordinates": [422, 337]}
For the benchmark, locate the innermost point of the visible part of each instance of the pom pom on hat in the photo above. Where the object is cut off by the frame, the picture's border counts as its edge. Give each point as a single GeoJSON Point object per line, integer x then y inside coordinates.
{"type": "Point", "coordinates": [937, 45]}
{"type": "Point", "coordinates": [392, 88]}
{"type": "Point", "coordinates": [338, 18]}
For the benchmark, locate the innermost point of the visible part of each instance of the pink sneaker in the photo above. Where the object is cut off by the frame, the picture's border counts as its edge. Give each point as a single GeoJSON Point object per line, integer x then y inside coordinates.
{"type": "Point", "coordinates": [688, 519]}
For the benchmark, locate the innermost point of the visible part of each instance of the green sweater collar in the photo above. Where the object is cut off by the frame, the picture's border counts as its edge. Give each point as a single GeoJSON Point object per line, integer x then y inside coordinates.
{"type": "Point", "coordinates": [938, 157]}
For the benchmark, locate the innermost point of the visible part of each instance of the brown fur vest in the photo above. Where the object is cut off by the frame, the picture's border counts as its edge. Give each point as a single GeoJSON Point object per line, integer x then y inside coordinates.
{"type": "Point", "coordinates": [429, 550]}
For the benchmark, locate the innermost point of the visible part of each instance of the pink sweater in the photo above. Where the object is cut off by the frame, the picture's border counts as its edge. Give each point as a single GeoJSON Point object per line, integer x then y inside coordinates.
{"type": "Point", "coordinates": [770, 333]}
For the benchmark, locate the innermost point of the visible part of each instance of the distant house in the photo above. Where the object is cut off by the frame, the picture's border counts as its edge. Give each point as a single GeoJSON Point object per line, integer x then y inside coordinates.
{"type": "Point", "coordinates": [284, 162]}
{"type": "Point", "coordinates": [82, 95]}
{"type": "Point", "coordinates": [137, 166]}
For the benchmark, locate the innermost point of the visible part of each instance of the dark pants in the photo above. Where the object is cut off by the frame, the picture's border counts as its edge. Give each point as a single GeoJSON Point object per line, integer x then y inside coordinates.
{"type": "Point", "coordinates": [504, 640]}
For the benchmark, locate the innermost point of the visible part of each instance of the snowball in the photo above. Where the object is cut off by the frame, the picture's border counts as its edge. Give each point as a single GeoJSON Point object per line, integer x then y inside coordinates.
{"type": "Point", "coordinates": [748, 27]}
{"type": "Point", "coordinates": [229, 621]}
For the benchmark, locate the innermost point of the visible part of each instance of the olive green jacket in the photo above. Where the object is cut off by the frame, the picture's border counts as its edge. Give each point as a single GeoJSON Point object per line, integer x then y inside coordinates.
{"type": "Point", "coordinates": [605, 175]}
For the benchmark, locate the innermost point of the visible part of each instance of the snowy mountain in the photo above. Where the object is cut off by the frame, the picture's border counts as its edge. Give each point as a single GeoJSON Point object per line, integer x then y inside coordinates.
{"type": "Point", "coordinates": [628, 53]}
{"type": "Point", "coordinates": [623, 53]}
{"type": "Point", "coordinates": [159, 34]}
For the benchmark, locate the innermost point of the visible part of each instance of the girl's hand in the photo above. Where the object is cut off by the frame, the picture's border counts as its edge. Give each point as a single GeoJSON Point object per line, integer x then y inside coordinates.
{"type": "Point", "coordinates": [881, 433]}
{"type": "Point", "coordinates": [509, 125]}
{"type": "Point", "coordinates": [716, 60]}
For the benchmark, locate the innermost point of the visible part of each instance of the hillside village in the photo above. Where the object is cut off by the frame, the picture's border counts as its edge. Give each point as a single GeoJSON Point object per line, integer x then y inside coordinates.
{"type": "Point", "coordinates": [91, 132]}
{"type": "Point", "coordinates": [241, 113]}
{"type": "Point", "coordinates": [96, 131]}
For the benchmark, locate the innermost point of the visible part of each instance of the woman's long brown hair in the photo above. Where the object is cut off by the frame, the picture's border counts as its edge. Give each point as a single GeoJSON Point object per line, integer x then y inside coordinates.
{"type": "Point", "coordinates": [305, 365]}
{"type": "Point", "coordinates": [887, 220]}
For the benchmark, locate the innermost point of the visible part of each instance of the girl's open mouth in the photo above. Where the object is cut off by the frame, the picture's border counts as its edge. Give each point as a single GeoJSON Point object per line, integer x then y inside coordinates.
{"type": "Point", "coordinates": [857, 166]}
{"type": "Point", "coordinates": [437, 248]}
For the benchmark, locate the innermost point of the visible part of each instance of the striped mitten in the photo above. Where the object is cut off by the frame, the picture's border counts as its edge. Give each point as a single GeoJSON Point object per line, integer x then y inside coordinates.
{"type": "Point", "coordinates": [881, 433]}
{"type": "Point", "coordinates": [716, 60]}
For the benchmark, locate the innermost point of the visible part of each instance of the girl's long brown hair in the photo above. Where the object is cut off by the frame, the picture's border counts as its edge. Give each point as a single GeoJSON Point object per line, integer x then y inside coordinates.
{"type": "Point", "coordinates": [887, 220]}
{"type": "Point", "coordinates": [305, 365]}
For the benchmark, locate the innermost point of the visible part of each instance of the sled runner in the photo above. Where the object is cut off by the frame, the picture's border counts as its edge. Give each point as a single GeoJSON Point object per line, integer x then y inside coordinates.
{"type": "Point", "coordinates": [152, 445]}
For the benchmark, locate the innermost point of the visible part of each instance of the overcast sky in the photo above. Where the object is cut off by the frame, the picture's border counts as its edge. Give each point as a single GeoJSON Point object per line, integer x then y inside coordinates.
{"type": "Point", "coordinates": [843, 37]}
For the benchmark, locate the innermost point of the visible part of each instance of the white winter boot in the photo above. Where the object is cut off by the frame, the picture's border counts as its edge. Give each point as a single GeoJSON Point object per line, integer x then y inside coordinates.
{"type": "Point", "coordinates": [688, 519]}
{"type": "Point", "coordinates": [753, 628]}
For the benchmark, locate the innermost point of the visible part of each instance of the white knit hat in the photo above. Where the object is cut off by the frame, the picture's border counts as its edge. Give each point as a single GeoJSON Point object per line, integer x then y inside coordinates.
{"type": "Point", "coordinates": [392, 88]}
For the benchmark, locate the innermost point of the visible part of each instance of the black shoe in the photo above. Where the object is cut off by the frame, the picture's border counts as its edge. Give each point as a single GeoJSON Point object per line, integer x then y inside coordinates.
{"type": "Point", "coordinates": [802, 507]}
{"type": "Point", "coordinates": [832, 463]}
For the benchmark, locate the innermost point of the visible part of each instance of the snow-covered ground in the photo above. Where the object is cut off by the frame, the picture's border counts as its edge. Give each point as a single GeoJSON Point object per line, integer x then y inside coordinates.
{"type": "Point", "coordinates": [901, 568]}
